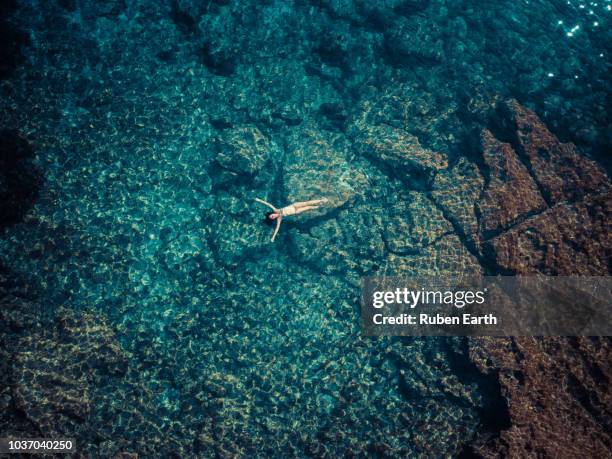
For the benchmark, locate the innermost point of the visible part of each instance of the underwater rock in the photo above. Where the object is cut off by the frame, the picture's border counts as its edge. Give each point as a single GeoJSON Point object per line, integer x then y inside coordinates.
{"type": "Point", "coordinates": [350, 244]}
{"type": "Point", "coordinates": [568, 239]}
{"type": "Point", "coordinates": [447, 256]}
{"type": "Point", "coordinates": [410, 7]}
{"type": "Point", "coordinates": [242, 150]}
{"type": "Point", "coordinates": [413, 109]}
{"type": "Point", "coordinates": [556, 388]}
{"type": "Point", "coordinates": [401, 153]}
{"type": "Point", "coordinates": [561, 172]}
{"type": "Point", "coordinates": [219, 60]}
{"type": "Point", "coordinates": [457, 191]}
{"type": "Point", "coordinates": [234, 240]}
{"type": "Point", "coordinates": [510, 192]}
{"type": "Point", "coordinates": [558, 396]}
{"type": "Point", "coordinates": [55, 368]}
{"type": "Point", "coordinates": [413, 224]}
{"type": "Point", "coordinates": [412, 42]}
{"type": "Point", "coordinates": [572, 236]}
{"type": "Point", "coordinates": [236, 228]}
{"type": "Point", "coordinates": [317, 166]}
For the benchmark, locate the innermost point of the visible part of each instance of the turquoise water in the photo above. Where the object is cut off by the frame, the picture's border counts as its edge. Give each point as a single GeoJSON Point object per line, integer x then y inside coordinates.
{"type": "Point", "coordinates": [135, 206]}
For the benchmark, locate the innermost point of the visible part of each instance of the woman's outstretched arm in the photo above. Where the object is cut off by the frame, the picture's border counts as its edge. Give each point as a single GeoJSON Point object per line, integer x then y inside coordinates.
{"type": "Point", "coordinates": [261, 201]}
{"type": "Point", "coordinates": [278, 223]}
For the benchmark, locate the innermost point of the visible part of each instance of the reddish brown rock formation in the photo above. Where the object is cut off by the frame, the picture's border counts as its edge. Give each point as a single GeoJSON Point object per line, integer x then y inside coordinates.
{"type": "Point", "coordinates": [558, 168]}
{"type": "Point", "coordinates": [558, 395]}
{"type": "Point", "coordinates": [570, 237]}
{"type": "Point", "coordinates": [511, 192]}
{"type": "Point", "coordinates": [557, 388]}
{"type": "Point", "coordinates": [567, 239]}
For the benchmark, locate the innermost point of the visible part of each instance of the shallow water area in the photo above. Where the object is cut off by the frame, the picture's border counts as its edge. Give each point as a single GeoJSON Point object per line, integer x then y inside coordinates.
{"type": "Point", "coordinates": [150, 127]}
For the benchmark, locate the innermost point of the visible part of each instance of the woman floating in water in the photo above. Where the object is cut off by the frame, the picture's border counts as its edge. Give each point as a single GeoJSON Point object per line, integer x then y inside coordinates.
{"type": "Point", "coordinates": [292, 209]}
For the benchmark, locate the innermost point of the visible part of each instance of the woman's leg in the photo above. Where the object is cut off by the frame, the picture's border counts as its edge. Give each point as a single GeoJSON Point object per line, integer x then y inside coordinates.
{"type": "Point", "coordinates": [314, 202]}
{"type": "Point", "coordinates": [299, 210]}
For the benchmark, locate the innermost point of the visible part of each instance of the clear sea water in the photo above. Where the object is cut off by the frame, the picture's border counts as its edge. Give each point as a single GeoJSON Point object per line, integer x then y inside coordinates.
{"type": "Point", "coordinates": [238, 346]}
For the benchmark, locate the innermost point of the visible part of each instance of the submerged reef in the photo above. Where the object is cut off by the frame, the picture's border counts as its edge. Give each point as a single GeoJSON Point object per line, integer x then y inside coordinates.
{"type": "Point", "coordinates": [554, 218]}
{"type": "Point", "coordinates": [146, 312]}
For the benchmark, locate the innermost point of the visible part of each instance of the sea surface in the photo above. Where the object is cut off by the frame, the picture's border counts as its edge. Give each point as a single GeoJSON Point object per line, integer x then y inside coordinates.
{"type": "Point", "coordinates": [135, 136]}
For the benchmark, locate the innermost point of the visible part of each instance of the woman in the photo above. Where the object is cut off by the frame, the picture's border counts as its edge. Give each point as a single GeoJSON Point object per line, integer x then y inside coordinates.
{"type": "Point", "coordinates": [292, 209]}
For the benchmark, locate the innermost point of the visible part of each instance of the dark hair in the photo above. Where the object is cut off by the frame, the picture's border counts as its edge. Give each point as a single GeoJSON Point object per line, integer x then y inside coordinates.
{"type": "Point", "coordinates": [268, 220]}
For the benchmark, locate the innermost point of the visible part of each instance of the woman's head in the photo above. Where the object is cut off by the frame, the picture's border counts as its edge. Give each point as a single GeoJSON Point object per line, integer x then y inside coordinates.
{"type": "Point", "coordinates": [271, 217]}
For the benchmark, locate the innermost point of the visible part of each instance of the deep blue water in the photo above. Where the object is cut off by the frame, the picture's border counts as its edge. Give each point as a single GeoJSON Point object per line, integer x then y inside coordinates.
{"type": "Point", "coordinates": [236, 345]}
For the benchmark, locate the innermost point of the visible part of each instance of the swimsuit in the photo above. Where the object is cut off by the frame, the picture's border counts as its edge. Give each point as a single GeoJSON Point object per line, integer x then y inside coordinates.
{"type": "Point", "coordinates": [289, 210]}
